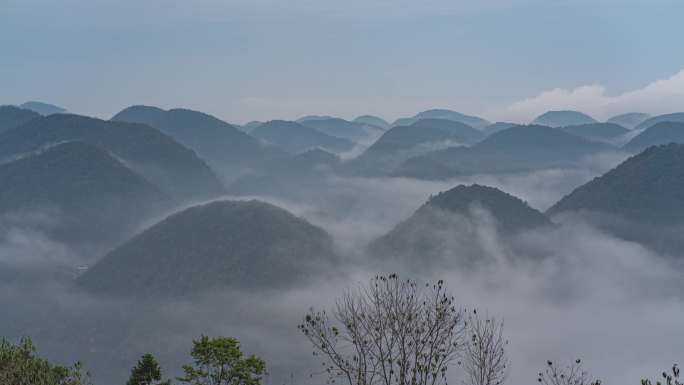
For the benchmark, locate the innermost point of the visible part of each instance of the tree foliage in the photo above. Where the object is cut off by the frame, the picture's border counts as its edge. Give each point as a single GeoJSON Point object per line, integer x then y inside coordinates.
{"type": "Point", "coordinates": [392, 332]}
{"type": "Point", "coordinates": [20, 365]}
{"type": "Point", "coordinates": [219, 361]}
{"type": "Point", "coordinates": [147, 372]}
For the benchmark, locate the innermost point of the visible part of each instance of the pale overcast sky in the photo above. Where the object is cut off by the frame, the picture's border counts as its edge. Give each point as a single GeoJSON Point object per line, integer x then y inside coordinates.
{"type": "Point", "coordinates": [262, 59]}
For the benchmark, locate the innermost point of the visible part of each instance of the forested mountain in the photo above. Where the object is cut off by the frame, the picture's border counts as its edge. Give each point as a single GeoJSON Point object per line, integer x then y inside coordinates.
{"type": "Point", "coordinates": [496, 127]}
{"type": "Point", "coordinates": [373, 121]}
{"type": "Point", "coordinates": [601, 132]}
{"type": "Point", "coordinates": [294, 137]}
{"type": "Point", "coordinates": [402, 142]}
{"type": "Point", "coordinates": [642, 199]}
{"type": "Point", "coordinates": [563, 118]}
{"type": "Point", "coordinates": [472, 121]}
{"type": "Point", "coordinates": [11, 117]}
{"type": "Point", "coordinates": [341, 128]}
{"type": "Point", "coordinates": [224, 244]}
{"type": "Point", "coordinates": [175, 169]}
{"type": "Point", "coordinates": [43, 108]}
{"type": "Point", "coordinates": [228, 151]}
{"type": "Point", "coordinates": [449, 221]}
{"type": "Point", "coordinates": [519, 148]}
{"type": "Point", "coordinates": [676, 117]}
{"type": "Point", "coordinates": [86, 197]}
{"type": "Point", "coordinates": [629, 120]}
{"type": "Point", "coordinates": [659, 133]}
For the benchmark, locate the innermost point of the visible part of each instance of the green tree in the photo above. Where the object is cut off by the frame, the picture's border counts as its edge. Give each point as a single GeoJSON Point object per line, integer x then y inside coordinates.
{"type": "Point", "coordinates": [219, 361]}
{"type": "Point", "coordinates": [146, 372]}
{"type": "Point", "coordinates": [20, 365]}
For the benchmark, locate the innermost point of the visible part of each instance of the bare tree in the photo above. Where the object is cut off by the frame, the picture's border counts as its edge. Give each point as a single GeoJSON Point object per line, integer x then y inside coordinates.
{"type": "Point", "coordinates": [670, 378]}
{"type": "Point", "coordinates": [571, 375]}
{"type": "Point", "coordinates": [485, 361]}
{"type": "Point", "coordinates": [390, 333]}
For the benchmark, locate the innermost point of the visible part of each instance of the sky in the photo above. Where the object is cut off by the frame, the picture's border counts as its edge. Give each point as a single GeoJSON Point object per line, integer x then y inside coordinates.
{"type": "Point", "coordinates": [245, 60]}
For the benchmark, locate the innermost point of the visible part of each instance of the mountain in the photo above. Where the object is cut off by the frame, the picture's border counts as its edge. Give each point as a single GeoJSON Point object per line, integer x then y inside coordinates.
{"type": "Point", "coordinates": [373, 121]}
{"type": "Point", "coordinates": [228, 150]}
{"type": "Point", "coordinates": [629, 120]}
{"type": "Point", "coordinates": [600, 132]}
{"type": "Point", "coordinates": [472, 121]}
{"type": "Point", "coordinates": [248, 127]}
{"type": "Point", "coordinates": [43, 108]}
{"type": "Point", "coordinates": [403, 142]}
{"type": "Point", "coordinates": [659, 133]}
{"type": "Point", "coordinates": [642, 199]}
{"type": "Point", "coordinates": [449, 221]}
{"type": "Point", "coordinates": [496, 127]}
{"type": "Point", "coordinates": [294, 137]}
{"type": "Point", "coordinates": [519, 148]}
{"type": "Point", "coordinates": [175, 169]}
{"type": "Point", "coordinates": [90, 200]}
{"type": "Point", "coordinates": [295, 177]}
{"type": "Point", "coordinates": [247, 245]}
{"type": "Point", "coordinates": [563, 118]}
{"type": "Point", "coordinates": [314, 117]}
{"type": "Point", "coordinates": [341, 128]}
{"type": "Point", "coordinates": [11, 117]}
{"type": "Point", "coordinates": [676, 117]}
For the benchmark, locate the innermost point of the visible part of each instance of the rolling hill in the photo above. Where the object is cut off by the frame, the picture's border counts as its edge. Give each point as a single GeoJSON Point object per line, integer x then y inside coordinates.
{"type": "Point", "coordinates": [373, 121]}
{"type": "Point", "coordinates": [247, 245]}
{"type": "Point", "coordinates": [43, 108]}
{"type": "Point", "coordinates": [86, 197]}
{"type": "Point", "coordinates": [659, 133]}
{"type": "Point", "coordinates": [676, 117]}
{"type": "Point", "coordinates": [629, 120]}
{"type": "Point", "coordinates": [175, 169]}
{"type": "Point", "coordinates": [448, 221]}
{"type": "Point", "coordinates": [341, 128]}
{"type": "Point", "coordinates": [515, 149]}
{"type": "Point", "coordinates": [11, 117]}
{"type": "Point", "coordinates": [563, 118]}
{"type": "Point", "coordinates": [642, 199]}
{"type": "Point", "coordinates": [472, 121]}
{"type": "Point", "coordinates": [294, 137]}
{"type": "Point", "coordinates": [600, 132]}
{"type": "Point", "coordinates": [228, 150]}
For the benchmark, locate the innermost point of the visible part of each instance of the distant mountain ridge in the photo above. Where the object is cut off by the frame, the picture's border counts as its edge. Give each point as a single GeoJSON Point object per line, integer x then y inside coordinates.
{"type": "Point", "coordinates": [659, 133]}
{"type": "Point", "coordinates": [472, 121]}
{"type": "Point", "coordinates": [629, 120]}
{"type": "Point", "coordinates": [677, 117]}
{"type": "Point", "coordinates": [11, 117]}
{"type": "Point", "coordinates": [295, 137]}
{"type": "Point", "coordinates": [515, 149]}
{"type": "Point", "coordinates": [228, 150]}
{"type": "Point", "coordinates": [563, 118]}
{"type": "Point", "coordinates": [43, 108]}
{"type": "Point", "coordinates": [175, 169]}
{"type": "Point", "coordinates": [95, 200]}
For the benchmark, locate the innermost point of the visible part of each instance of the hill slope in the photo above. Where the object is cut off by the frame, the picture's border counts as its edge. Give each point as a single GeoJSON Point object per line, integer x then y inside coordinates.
{"type": "Point", "coordinates": [629, 120]}
{"type": "Point", "coordinates": [676, 117]}
{"type": "Point", "coordinates": [519, 148]}
{"type": "Point", "coordinates": [642, 199]}
{"type": "Point", "coordinates": [659, 133]}
{"type": "Point", "coordinates": [43, 108]}
{"type": "Point", "coordinates": [295, 137]}
{"type": "Point", "coordinates": [91, 199]}
{"type": "Point", "coordinates": [226, 149]}
{"type": "Point", "coordinates": [563, 118]}
{"type": "Point", "coordinates": [452, 215]}
{"type": "Point", "coordinates": [373, 121]}
{"type": "Point", "coordinates": [244, 245]}
{"type": "Point", "coordinates": [157, 157]}
{"type": "Point", "coordinates": [472, 121]}
{"type": "Point", "coordinates": [341, 128]}
{"type": "Point", "coordinates": [601, 132]}
{"type": "Point", "coordinates": [11, 117]}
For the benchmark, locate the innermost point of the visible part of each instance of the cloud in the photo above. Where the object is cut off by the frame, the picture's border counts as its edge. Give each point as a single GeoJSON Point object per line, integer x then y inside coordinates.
{"type": "Point", "coordinates": [659, 97]}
